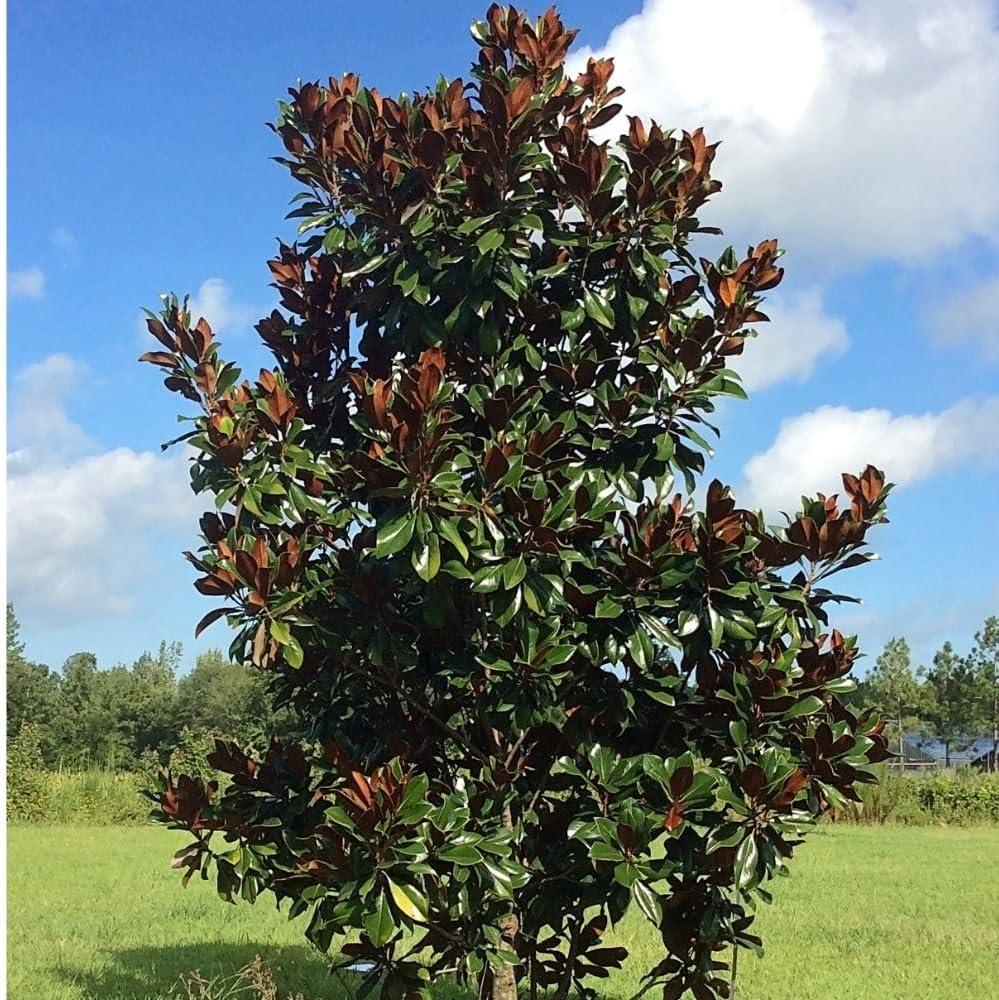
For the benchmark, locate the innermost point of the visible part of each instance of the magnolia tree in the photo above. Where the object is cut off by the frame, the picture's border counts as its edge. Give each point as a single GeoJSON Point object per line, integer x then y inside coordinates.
{"type": "Point", "coordinates": [537, 686]}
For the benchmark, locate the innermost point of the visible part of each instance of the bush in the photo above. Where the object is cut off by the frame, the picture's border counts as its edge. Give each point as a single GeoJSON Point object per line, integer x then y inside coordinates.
{"type": "Point", "coordinates": [95, 798]}
{"type": "Point", "coordinates": [27, 787]}
{"type": "Point", "coordinates": [965, 797]}
{"type": "Point", "coordinates": [98, 798]}
{"type": "Point", "coordinates": [961, 797]}
{"type": "Point", "coordinates": [190, 754]}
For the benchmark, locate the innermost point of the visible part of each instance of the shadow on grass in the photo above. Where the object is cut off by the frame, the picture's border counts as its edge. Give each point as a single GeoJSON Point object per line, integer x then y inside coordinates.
{"type": "Point", "coordinates": [158, 973]}
{"type": "Point", "coordinates": [147, 973]}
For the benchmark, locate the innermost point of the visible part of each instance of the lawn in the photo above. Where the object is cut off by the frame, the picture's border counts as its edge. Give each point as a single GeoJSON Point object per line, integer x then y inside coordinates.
{"type": "Point", "coordinates": [903, 912]}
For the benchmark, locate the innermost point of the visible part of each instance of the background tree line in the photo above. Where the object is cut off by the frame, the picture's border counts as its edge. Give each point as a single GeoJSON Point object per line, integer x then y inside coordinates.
{"type": "Point", "coordinates": [86, 716]}
{"type": "Point", "coordinates": [955, 699]}
{"type": "Point", "coordinates": [83, 715]}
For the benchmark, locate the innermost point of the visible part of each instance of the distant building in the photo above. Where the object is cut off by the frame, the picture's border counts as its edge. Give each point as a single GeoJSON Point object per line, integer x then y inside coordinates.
{"type": "Point", "coordinates": [928, 753]}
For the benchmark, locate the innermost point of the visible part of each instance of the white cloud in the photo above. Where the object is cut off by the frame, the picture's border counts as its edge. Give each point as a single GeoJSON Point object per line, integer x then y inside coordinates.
{"type": "Point", "coordinates": [790, 345]}
{"type": "Point", "coordinates": [79, 519]}
{"type": "Point", "coordinates": [76, 531]}
{"type": "Point", "coordinates": [852, 131]}
{"type": "Point", "coordinates": [214, 301]}
{"type": "Point", "coordinates": [972, 316]}
{"type": "Point", "coordinates": [38, 420]}
{"type": "Point", "coordinates": [63, 239]}
{"type": "Point", "coordinates": [812, 450]}
{"type": "Point", "coordinates": [29, 283]}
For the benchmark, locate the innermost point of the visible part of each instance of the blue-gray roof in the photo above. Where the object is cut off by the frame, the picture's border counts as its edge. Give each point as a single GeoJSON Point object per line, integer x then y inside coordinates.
{"type": "Point", "coordinates": [961, 751]}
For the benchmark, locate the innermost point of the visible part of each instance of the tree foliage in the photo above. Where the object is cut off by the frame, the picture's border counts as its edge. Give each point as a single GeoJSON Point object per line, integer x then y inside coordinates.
{"type": "Point", "coordinates": [84, 716]}
{"type": "Point", "coordinates": [32, 692]}
{"type": "Point", "coordinates": [894, 687]}
{"type": "Point", "coordinates": [110, 717]}
{"type": "Point", "coordinates": [222, 697]}
{"type": "Point", "coordinates": [15, 645]}
{"type": "Point", "coordinates": [985, 664]}
{"type": "Point", "coordinates": [955, 704]}
{"type": "Point", "coordinates": [539, 684]}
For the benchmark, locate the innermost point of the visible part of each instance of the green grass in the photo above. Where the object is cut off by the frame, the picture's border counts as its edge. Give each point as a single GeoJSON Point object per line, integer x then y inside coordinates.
{"type": "Point", "coordinates": [887, 912]}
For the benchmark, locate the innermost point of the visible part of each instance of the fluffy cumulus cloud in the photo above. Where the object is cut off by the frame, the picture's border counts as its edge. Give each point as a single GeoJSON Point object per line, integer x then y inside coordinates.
{"type": "Point", "coordinates": [214, 301]}
{"type": "Point", "coordinates": [79, 518]}
{"type": "Point", "coordinates": [789, 347]}
{"type": "Point", "coordinates": [813, 449]}
{"type": "Point", "coordinates": [28, 283]}
{"type": "Point", "coordinates": [37, 418]}
{"type": "Point", "coordinates": [853, 131]}
{"type": "Point", "coordinates": [972, 317]}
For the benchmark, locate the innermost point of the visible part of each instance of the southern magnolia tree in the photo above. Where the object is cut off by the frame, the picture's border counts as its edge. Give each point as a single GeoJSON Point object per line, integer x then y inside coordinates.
{"type": "Point", "coordinates": [537, 686]}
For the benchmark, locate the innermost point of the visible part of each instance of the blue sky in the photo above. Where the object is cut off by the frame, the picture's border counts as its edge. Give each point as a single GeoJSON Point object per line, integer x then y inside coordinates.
{"type": "Point", "coordinates": [863, 134]}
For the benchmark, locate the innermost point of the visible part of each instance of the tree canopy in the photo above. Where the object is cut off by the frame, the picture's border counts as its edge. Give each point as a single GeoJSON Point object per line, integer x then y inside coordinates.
{"type": "Point", "coordinates": [456, 523]}
{"type": "Point", "coordinates": [955, 705]}
{"type": "Point", "coordinates": [83, 716]}
{"type": "Point", "coordinates": [894, 687]}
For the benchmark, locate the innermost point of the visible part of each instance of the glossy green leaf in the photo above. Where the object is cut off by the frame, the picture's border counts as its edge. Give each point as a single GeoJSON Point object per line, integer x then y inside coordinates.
{"type": "Point", "coordinates": [598, 309]}
{"type": "Point", "coordinates": [490, 240]}
{"type": "Point", "coordinates": [293, 653]}
{"type": "Point", "coordinates": [380, 925]}
{"type": "Point", "coordinates": [395, 535]}
{"type": "Point", "coordinates": [449, 529]}
{"type": "Point", "coordinates": [607, 607]}
{"type": "Point", "coordinates": [427, 558]}
{"type": "Point", "coordinates": [807, 706]}
{"type": "Point", "coordinates": [513, 572]}
{"type": "Point", "coordinates": [746, 859]}
{"type": "Point", "coordinates": [461, 854]}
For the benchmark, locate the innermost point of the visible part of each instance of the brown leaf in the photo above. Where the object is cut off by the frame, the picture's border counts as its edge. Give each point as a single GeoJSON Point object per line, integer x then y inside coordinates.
{"type": "Point", "coordinates": [675, 816]}
{"type": "Point", "coordinates": [728, 289]}
{"type": "Point", "coordinates": [496, 466]}
{"type": "Point", "coordinates": [159, 331]}
{"type": "Point", "coordinates": [161, 358]}
{"type": "Point", "coordinates": [210, 618]}
{"type": "Point", "coordinates": [753, 780]}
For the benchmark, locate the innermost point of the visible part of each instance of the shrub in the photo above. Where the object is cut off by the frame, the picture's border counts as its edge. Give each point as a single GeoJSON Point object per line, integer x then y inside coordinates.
{"type": "Point", "coordinates": [148, 767]}
{"type": "Point", "coordinates": [888, 800]}
{"type": "Point", "coordinates": [96, 798]}
{"type": "Point", "coordinates": [962, 797]}
{"type": "Point", "coordinates": [190, 755]}
{"type": "Point", "coordinates": [540, 686]}
{"type": "Point", "coordinates": [27, 784]}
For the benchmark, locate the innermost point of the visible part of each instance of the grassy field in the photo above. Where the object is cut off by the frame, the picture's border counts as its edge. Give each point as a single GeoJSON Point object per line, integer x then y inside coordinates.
{"type": "Point", "coordinates": [887, 912]}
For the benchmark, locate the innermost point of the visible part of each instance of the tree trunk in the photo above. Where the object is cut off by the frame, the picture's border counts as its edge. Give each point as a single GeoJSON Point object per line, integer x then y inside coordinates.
{"type": "Point", "coordinates": [505, 977]}
{"type": "Point", "coordinates": [504, 984]}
